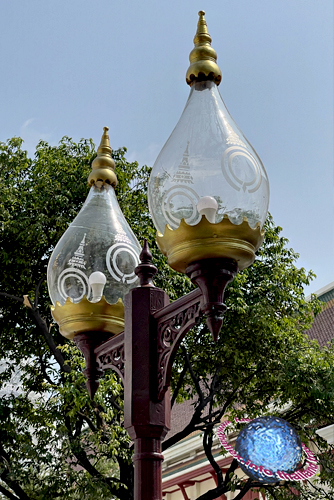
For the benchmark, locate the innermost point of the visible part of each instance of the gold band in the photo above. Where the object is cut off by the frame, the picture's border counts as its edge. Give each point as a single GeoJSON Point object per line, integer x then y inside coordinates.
{"type": "Point", "coordinates": [85, 316]}
{"type": "Point", "coordinates": [205, 240]}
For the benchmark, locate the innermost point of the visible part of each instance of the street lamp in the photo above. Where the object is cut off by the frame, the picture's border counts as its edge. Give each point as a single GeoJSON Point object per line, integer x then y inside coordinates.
{"type": "Point", "coordinates": [208, 197]}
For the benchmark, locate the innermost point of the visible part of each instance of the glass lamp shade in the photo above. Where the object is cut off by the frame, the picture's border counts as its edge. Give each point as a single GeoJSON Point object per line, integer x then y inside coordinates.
{"type": "Point", "coordinates": [207, 163]}
{"type": "Point", "coordinates": [207, 182]}
{"type": "Point", "coordinates": [93, 265]}
{"type": "Point", "coordinates": [98, 240]}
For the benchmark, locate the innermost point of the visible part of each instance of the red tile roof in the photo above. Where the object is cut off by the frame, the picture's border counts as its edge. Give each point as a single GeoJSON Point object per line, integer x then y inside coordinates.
{"type": "Point", "coordinates": [323, 326]}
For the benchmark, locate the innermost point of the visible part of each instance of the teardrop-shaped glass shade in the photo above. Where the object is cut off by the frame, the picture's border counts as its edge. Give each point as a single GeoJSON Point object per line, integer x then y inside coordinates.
{"type": "Point", "coordinates": [99, 239]}
{"type": "Point", "coordinates": [207, 161]}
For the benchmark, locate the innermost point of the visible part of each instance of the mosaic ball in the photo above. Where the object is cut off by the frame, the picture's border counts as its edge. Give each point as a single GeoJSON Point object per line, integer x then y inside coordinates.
{"type": "Point", "coordinates": [271, 442]}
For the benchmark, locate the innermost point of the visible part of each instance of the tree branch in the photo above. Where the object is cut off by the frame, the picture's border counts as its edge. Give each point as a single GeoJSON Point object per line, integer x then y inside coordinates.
{"type": "Point", "coordinates": [43, 327]}
{"type": "Point", "coordinates": [112, 400]}
{"type": "Point", "coordinates": [37, 291]}
{"type": "Point", "coordinates": [213, 494]}
{"type": "Point", "coordinates": [126, 475]}
{"type": "Point", "coordinates": [244, 490]}
{"type": "Point", "coordinates": [18, 299]}
{"type": "Point", "coordinates": [219, 490]}
{"type": "Point", "coordinates": [207, 444]}
{"type": "Point", "coordinates": [180, 381]}
{"type": "Point", "coordinates": [194, 378]}
{"type": "Point", "coordinates": [213, 390]}
{"type": "Point", "coordinates": [5, 476]}
{"type": "Point", "coordinates": [8, 494]}
{"type": "Point", "coordinates": [320, 490]}
{"type": "Point", "coordinates": [290, 412]}
{"type": "Point", "coordinates": [78, 425]}
{"type": "Point", "coordinates": [234, 465]}
{"type": "Point", "coordinates": [188, 428]}
{"type": "Point", "coordinates": [120, 491]}
{"type": "Point", "coordinates": [40, 323]}
{"type": "Point", "coordinates": [196, 418]}
{"type": "Point", "coordinates": [43, 369]}
{"type": "Point", "coordinates": [88, 421]}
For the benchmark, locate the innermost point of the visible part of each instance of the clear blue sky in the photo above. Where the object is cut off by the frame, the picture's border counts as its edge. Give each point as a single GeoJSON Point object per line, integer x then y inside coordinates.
{"type": "Point", "coordinates": [70, 67]}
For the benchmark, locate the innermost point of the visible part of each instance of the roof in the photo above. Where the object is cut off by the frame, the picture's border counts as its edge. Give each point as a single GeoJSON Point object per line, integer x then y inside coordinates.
{"type": "Point", "coordinates": [323, 325]}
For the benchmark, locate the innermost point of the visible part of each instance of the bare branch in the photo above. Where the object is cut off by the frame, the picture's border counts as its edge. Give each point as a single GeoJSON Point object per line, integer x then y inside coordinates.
{"type": "Point", "coordinates": [8, 494]}
{"type": "Point", "coordinates": [18, 299]}
{"type": "Point", "coordinates": [219, 490]}
{"type": "Point", "coordinates": [207, 444]}
{"type": "Point", "coordinates": [195, 420]}
{"type": "Point", "coordinates": [43, 327]}
{"type": "Point", "coordinates": [244, 490]}
{"type": "Point", "coordinates": [37, 291]}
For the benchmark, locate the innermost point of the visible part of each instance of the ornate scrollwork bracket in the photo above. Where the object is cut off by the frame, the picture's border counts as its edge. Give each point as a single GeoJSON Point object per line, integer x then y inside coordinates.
{"type": "Point", "coordinates": [173, 322]}
{"type": "Point", "coordinates": [110, 355]}
{"type": "Point", "coordinates": [161, 327]}
{"type": "Point", "coordinates": [176, 319]}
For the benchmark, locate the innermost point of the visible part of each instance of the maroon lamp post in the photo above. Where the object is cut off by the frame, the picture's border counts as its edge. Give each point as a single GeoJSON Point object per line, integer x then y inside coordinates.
{"type": "Point", "coordinates": [208, 196]}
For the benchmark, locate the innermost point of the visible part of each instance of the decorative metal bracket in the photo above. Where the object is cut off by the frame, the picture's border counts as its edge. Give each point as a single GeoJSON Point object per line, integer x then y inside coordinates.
{"type": "Point", "coordinates": [173, 322]}
{"type": "Point", "coordinates": [167, 325]}
{"type": "Point", "coordinates": [110, 354]}
{"type": "Point", "coordinates": [176, 319]}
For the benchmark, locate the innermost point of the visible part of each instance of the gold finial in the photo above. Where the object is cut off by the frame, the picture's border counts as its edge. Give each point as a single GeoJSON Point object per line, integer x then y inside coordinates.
{"type": "Point", "coordinates": [103, 165]}
{"type": "Point", "coordinates": [203, 57]}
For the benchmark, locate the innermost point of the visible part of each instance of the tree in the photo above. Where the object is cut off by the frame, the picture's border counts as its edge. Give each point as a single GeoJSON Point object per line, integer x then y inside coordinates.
{"type": "Point", "coordinates": [55, 442]}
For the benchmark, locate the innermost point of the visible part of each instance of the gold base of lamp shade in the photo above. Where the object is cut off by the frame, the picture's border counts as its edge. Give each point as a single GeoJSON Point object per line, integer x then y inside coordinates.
{"type": "Point", "coordinates": [85, 316]}
{"type": "Point", "coordinates": [205, 240]}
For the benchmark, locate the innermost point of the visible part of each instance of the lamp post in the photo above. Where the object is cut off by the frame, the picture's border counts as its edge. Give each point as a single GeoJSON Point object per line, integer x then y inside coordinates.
{"type": "Point", "coordinates": [208, 197]}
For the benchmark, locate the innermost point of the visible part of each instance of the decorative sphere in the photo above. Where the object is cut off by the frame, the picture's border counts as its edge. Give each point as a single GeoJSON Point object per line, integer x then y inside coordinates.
{"type": "Point", "coordinates": [271, 442]}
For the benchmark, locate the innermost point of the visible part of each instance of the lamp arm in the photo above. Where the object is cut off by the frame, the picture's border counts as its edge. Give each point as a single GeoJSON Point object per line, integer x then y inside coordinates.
{"type": "Point", "coordinates": [172, 323]}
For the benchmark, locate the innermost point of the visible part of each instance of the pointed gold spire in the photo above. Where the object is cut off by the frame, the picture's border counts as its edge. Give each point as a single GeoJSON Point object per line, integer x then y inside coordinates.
{"type": "Point", "coordinates": [203, 57]}
{"type": "Point", "coordinates": [103, 165]}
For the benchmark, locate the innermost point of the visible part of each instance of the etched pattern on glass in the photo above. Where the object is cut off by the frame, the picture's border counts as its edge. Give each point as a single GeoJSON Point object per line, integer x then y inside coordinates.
{"type": "Point", "coordinates": [234, 162]}
{"type": "Point", "coordinates": [121, 262]}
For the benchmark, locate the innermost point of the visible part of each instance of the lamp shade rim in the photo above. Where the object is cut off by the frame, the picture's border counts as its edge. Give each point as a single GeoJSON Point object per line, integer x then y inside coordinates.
{"type": "Point", "coordinates": [86, 316]}
{"type": "Point", "coordinates": [188, 244]}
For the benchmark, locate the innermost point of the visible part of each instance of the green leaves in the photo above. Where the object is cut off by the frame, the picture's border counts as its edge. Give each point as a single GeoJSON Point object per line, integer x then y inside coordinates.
{"type": "Point", "coordinates": [56, 443]}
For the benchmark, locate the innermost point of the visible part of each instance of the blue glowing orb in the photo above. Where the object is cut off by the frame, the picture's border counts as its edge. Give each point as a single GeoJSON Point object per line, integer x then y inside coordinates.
{"type": "Point", "coordinates": [270, 442]}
